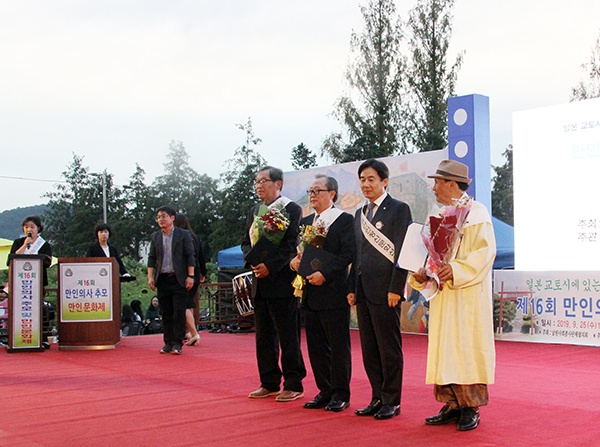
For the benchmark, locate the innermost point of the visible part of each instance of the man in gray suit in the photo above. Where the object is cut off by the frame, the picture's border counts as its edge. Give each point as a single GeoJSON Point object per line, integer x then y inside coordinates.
{"type": "Point", "coordinates": [171, 262]}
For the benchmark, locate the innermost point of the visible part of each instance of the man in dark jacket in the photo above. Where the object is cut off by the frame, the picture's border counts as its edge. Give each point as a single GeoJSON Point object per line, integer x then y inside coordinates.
{"type": "Point", "coordinates": [377, 287]}
{"type": "Point", "coordinates": [326, 310]}
{"type": "Point", "coordinates": [171, 263]}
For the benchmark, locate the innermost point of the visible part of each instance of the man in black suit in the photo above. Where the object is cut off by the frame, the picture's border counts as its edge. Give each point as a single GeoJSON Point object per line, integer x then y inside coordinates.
{"type": "Point", "coordinates": [275, 306]}
{"type": "Point", "coordinates": [326, 310]}
{"type": "Point", "coordinates": [376, 287]}
{"type": "Point", "coordinates": [171, 262]}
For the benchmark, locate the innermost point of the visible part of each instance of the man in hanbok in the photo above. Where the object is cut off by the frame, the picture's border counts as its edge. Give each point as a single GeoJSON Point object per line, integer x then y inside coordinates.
{"type": "Point", "coordinates": [461, 355]}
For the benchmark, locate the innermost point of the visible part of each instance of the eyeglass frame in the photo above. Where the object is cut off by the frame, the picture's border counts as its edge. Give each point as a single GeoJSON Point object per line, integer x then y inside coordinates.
{"type": "Point", "coordinates": [314, 192]}
{"type": "Point", "coordinates": [262, 181]}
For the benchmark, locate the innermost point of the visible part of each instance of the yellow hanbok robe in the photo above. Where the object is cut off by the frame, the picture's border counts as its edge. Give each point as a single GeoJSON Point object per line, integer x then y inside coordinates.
{"type": "Point", "coordinates": [461, 330]}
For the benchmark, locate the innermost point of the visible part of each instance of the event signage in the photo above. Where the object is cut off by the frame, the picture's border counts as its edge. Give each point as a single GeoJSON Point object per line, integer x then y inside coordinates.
{"type": "Point", "coordinates": [548, 307]}
{"type": "Point", "coordinates": [86, 291]}
{"type": "Point", "coordinates": [26, 290]}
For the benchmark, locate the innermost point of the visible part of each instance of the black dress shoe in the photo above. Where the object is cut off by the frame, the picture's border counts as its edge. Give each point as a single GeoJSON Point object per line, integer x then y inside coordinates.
{"type": "Point", "coordinates": [319, 401]}
{"type": "Point", "coordinates": [469, 419]}
{"type": "Point", "coordinates": [388, 412]}
{"type": "Point", "coordinates": [446, 415]}
{"type": "Point", "coordinates": [337, 405]}
{"type": "Point", "coordinates": [370, 409]}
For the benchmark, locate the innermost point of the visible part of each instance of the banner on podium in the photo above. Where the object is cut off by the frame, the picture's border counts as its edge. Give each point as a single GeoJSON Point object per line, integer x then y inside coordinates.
{"type": "Point", "coordinates": [86, 291]}
{"type": "Point", "coordinates": [26, 291]}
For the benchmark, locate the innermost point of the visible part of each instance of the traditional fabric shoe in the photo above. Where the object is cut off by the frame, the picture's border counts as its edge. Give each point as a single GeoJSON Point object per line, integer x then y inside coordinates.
{"type": "Point", "coordinates": [446, 415]}
{"type": "Point", "coordinates": [469, 419]}
{"type": "Point", "coordinates": [261, 393]}
{"type": "Point", "coordinates": [288, 396]}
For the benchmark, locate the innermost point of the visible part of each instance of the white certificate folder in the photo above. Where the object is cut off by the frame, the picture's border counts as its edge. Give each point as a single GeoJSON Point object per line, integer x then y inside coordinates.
{"type": "Point", "coordinates": [413, 253]}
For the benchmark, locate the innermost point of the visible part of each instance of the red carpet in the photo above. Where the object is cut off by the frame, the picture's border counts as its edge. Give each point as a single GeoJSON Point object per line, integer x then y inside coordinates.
{"type": "Point", "coordinates": [133, 396]}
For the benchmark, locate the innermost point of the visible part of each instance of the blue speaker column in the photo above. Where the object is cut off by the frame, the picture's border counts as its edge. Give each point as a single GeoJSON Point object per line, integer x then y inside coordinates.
{"type": "Point", "coordinates": [469, 142]}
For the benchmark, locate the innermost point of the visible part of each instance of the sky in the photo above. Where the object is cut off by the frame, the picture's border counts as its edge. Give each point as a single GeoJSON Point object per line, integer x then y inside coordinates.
{"type": "Point", "coordinates": [115, 81]}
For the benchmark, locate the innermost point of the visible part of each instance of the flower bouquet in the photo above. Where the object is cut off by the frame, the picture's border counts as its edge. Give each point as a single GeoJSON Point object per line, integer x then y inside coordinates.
{"type": "Point", "coordinates": [271, 223]}
{"type": "Point", "coordinates": [442, 235]}
{"type": "Point", "coordinates": [309, 235]}
{"type": "Point", "coordinates": [313, 235]}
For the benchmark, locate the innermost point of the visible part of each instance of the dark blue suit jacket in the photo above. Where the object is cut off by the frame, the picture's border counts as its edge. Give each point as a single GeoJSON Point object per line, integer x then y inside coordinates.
{"type": "Point", "coordinates": [378, 275]}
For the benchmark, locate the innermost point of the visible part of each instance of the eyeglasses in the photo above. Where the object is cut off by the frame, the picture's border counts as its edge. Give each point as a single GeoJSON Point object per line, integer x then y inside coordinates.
{"type": "Point", "coordinates": [314, 192]}
{"type": "Point", "coordinates": [162, 217]}
{"type": "Point", "coordinates": [262, 181]}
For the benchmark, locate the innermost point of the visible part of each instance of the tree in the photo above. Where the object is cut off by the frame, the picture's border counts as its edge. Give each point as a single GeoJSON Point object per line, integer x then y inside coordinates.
{"type": "Point", "coordinates": [429, 82]}
{"type": "Point", "coordinates": [303, 158]}
{"type": "Point", "coordinates": [187, 191]}
{"type": "Point", "coordinates": [502, 193]}
{"type": "Point", "coordinates": [75, 208]}
{"type": "Point", "coordinates": [376, 75]}
{"type": "Point", "coordinates": [237, 194]}
{"type": "Point", "coordinates": [591, 89]}
{"type": "Point", "coordinates": [138, 215]}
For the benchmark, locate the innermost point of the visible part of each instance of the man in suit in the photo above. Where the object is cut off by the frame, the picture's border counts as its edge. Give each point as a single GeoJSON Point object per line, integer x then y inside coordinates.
{"type": "Point", "coordinates": [326, 310]}
{"type": "Point", "coordinates": [275, 306]}
{"type": "Point", "coordinates": [171, 263]}
{"type": "Point", "coordinates": [376, 287]}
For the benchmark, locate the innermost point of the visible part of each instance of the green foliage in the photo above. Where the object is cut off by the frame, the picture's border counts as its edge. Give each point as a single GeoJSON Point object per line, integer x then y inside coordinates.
{"type": "Point", "coordinates": [75, 208]}
{"type": "Point", "coordinates": [429, 82]}
{"type": "Point", "coordinates": [589, 88]}
{"type": "Point", "coordinates": [502, 192]}
{"type": "Point", "coordinates": [376, 75]}
{"type": "Point", "coordinates": [137, 223]}
{"type": "Point", "coordinates": [237, 195]}
{"type": "Point", "coordinates": [188, 192]}
{"type": "Point", "coordinates": [303, 158]}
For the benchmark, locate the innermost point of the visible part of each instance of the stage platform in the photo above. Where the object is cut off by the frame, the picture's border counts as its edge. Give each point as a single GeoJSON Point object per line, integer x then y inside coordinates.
{"type": "Point", "coordinates": [545, 395]}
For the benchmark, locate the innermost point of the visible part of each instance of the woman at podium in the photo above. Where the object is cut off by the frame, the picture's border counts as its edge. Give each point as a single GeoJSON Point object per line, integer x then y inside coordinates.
{"type": "Point", "coordinates": [102, 249]}
{"type": "Point", "coordinates": [33, 243]}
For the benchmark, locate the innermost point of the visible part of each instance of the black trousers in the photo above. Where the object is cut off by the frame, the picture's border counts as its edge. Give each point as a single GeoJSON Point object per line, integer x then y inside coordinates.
{"type": "Point", "coordinates": [328, 341]}
{"type": "Point", "coordinates": [172, 300]}
{"type": "Point", "coordinates": [276, 322]}
{"type": "Point", "coordinates": [381, 345]}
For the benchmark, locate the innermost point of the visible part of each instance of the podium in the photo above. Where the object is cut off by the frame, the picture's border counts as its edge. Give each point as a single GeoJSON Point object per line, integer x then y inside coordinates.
{"type": "Point", "coordinates": [25, 301]}
{"type": "Point", "coordinates": [89, 303]}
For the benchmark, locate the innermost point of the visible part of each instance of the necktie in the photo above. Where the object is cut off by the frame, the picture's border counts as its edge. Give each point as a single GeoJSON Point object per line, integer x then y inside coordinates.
{"type": "Point", "coordinates": [316, 218]}
{"type": "Point", "coordinates": [370, 208]}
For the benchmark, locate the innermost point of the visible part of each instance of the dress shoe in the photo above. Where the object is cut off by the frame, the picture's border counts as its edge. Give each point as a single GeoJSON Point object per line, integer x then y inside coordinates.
{"type": "Point", "coordinates": [176, 350]}
{"type": "Point", "coordinates": [388, 412]}
{"type": "Point", "coordinates": [166, 349]}
{"type": "Point", "coordinates": [337, 405]}
{"type": "Point", "coordinates": [261, 393]}
{"type": "Point", "coordinates": [319, 401]}
{"type": "Point", "coordinates": [446, 415]}
{"type": "Point", "coordinates": [192, 341]}
{"type": "Point", "coordinates": [469, 419]}
{"type": "Point", "coordinates": [288, 396]}
{"type": "Point", "coordinates": [370, 409]}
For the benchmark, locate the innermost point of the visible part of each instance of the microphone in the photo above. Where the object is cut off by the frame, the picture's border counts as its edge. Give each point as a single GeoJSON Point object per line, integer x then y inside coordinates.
{"type": "Point", "coordinates": [29, 243]}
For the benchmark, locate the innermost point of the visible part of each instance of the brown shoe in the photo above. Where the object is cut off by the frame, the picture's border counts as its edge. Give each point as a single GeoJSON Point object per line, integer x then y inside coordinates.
{"type": "Point", "coordinates": [262, 393]}
{"type": "Point", "coordinates": [288, 396]}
